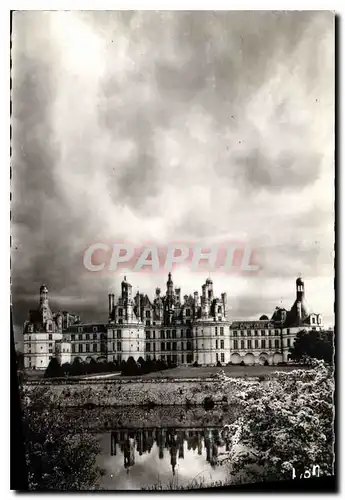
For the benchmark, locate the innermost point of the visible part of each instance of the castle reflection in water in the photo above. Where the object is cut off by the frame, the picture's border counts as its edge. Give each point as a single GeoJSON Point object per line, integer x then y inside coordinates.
{"type": "Point", "coordinates": [204, 440]}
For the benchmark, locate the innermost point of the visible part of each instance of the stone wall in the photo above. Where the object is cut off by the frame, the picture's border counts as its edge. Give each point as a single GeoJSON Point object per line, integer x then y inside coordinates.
{"type": "Point", "coordinates": [135, 392]}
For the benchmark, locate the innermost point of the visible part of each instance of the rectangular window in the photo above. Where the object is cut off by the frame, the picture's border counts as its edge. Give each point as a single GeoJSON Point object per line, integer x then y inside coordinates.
{"type": "Point", "coordinates": [249, 343]}
{"type": "Point", "coordinates": [153, 334]}
{"type": "Point", "coordinates": [80, 347]}
{"type": "Point", "coordinates": [73, 347]}
{"type": "Point", "coordinates": [162, 346]}
{"type": "Point", "coordinates": [256, 333]}
{"type": "Point", "coordinates": [222, 330]}
{"type": "Point", "coordinates": [50, 336]}
{"type": "Point", "coordinates": [148, 347]}
{"type": "Point", "coordinates": [277, 332]}
{"type": "Point", "coordinates": [189, 346]}
{"type": "Point", "coordinates": [154, 347]}
{"type": "Point", "coordinates": [235, 344]}
{"type": "Point", "coordinates": [118, 333]}
{"type": "Point", "coordinates": [94, 347]}
{"type": "Point", "coordinates": [174, 334]}
{"type": "Point", "coordinates": [73, 337]}
{"type": "Point", "coordinates": [288, 330]}
{"type": "Point", "coordinates": [217, 357]}
{"type": "Point", "coordinates": [235, 333]}
{"type": "Point", "coordinates": [276, 343]}
{"type": "Point", "coordinates": [168, 334]}
{"type": "Point", "coordinates": [182, 358]}
{"type": "Point", "coordinates": [119, 346]}
{"type": "Point", "coordinates": [94, 336]}
{"type": "Point", "coordinates": [120, 322]}
{"type": "Point", "coordinates": [263, 344]}
{"type": "Point", "coordinates": [256, 344]}
{"type": "Point", "coordinates": [242, 333]}
{"type": "Point", "coordinates": [147, 335]}
{"type": "Point", "coordinates": [216, 330]}
{"type": "Point", "coordinates": [147, 322]}
{"type": "Point", "coordinates": [162, 334]}
{"type": "Point", "coordinates": [219, 309]}
{"type": "Point", "coordinates": [87, 337]}
{"type": "Point", "coordinates": [216, 344]}
{"type": "Point", "coordinates": [94, 328]}
{"type": "Point", "coordinates": [168, 346]}
{"type": "Point", "coordinates": [288, 343]}
{"type": "Point", "coordinates": [222, 357]}
{"type": "Point", "coordinates": [80, 330]}
{"type": "Point", "coordinates": [50, 350]}
{"type": "Point", "coordinates": [120, 311]}
{"type": "Point", "coordinates": [270, 344]}
{"type": "Point", "coordinates": [148, 314]}
{"type": "Point", "coordinates": [80, 337]}
{"type": "Point", "coordinates": [242, 344]}
{"type": "Point", "coordinates": [262, 332]}
{"type": "Point", "coordinates": [87, 347]}
{"type": "Point", "coordinates": [187, 312]}
{"type": "Point", "coordinates": [222, 344]}
{"type": "Point", "coordinates": [50, 345]}
{"type": "Point", "coordinates": [174, 346]}
{"type": "Point", "coordinates": [182, 333]}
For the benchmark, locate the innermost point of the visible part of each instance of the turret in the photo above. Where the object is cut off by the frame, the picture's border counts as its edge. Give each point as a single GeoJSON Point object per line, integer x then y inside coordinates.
{"type": "Point", "coordinates": [209, 287]}
{"type": "Point", "coordinates": [126, 289]}
{"type": "Point", "coordinates": [299, 290]}
{"type": "Point", "coordinates": [170, 285]}
{"type": "Point", "coordinates": [44, 296]}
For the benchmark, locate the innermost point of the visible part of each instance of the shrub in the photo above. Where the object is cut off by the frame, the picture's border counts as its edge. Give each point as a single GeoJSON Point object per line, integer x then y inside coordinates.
{"type": "Point", "coordinates": [60, 454]}
{"type": "Point", "coordinates": [242, 363]}
{"type": "Point", "coordinates": [54, 369]}
{"type": "Point", "coordinates": [131, 368]}
{"type": "Point", "coordinates": [284, 424]}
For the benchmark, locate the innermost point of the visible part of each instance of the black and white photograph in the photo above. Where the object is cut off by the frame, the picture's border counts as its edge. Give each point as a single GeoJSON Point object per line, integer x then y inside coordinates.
{"type": "Point", "coordinates": [173, 249]}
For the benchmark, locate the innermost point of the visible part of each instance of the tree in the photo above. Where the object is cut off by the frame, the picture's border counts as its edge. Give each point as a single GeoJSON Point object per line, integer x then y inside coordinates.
{"type": "Point", "coordinates": [20, 360]}
{"type": "Point", "coordinates": [60, 455]}
{"type": "Point", "coordinates": [285, 423]}
{"type": "Point", "coordinates": [313, 344]}
{"type": "Point", "coordinates": [131, 368]}
{"type": "Point", "coordinates": [54, 369]}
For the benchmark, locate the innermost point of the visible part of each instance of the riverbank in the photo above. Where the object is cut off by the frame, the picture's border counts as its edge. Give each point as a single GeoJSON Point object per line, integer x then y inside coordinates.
{"type": "Point", "coordinates": [150, 392]}
{"type": "Point", "coordinates": [122, 391]}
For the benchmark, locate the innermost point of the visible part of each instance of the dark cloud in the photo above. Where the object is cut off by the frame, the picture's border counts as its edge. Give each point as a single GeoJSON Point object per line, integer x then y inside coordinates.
{"type": "Point", "coordinates": [168, 125]}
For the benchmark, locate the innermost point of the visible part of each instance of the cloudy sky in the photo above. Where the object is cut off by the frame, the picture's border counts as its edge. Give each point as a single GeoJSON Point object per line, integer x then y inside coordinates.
{"type": "Point", "coordinates": [168, 126]}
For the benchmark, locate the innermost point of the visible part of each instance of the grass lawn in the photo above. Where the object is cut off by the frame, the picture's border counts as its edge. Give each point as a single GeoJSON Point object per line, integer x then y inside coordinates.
{"type": "Point", "coordinates": [208, 371]}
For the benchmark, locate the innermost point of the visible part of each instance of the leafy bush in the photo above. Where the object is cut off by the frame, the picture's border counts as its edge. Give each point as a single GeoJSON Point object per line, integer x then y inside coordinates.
{"type": "Point", "coordinates": [313, 344]}
{"type": "Point", "coordinates": [285, 423]}
{"type": "Point", "coordinates": [54, 369]}
{"type": "Point", "coordinates": [60, 454]}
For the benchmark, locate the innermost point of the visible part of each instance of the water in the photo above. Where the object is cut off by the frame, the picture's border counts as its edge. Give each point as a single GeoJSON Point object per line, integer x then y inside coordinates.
{"type": "Point", "coordinates": [141, 458]}
{"type": "Point", "coordinates": [166, 446]}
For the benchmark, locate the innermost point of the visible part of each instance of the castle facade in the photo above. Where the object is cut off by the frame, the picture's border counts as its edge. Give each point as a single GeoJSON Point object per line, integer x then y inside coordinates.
{"type": "Point", "coordinates": [195, 328]}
